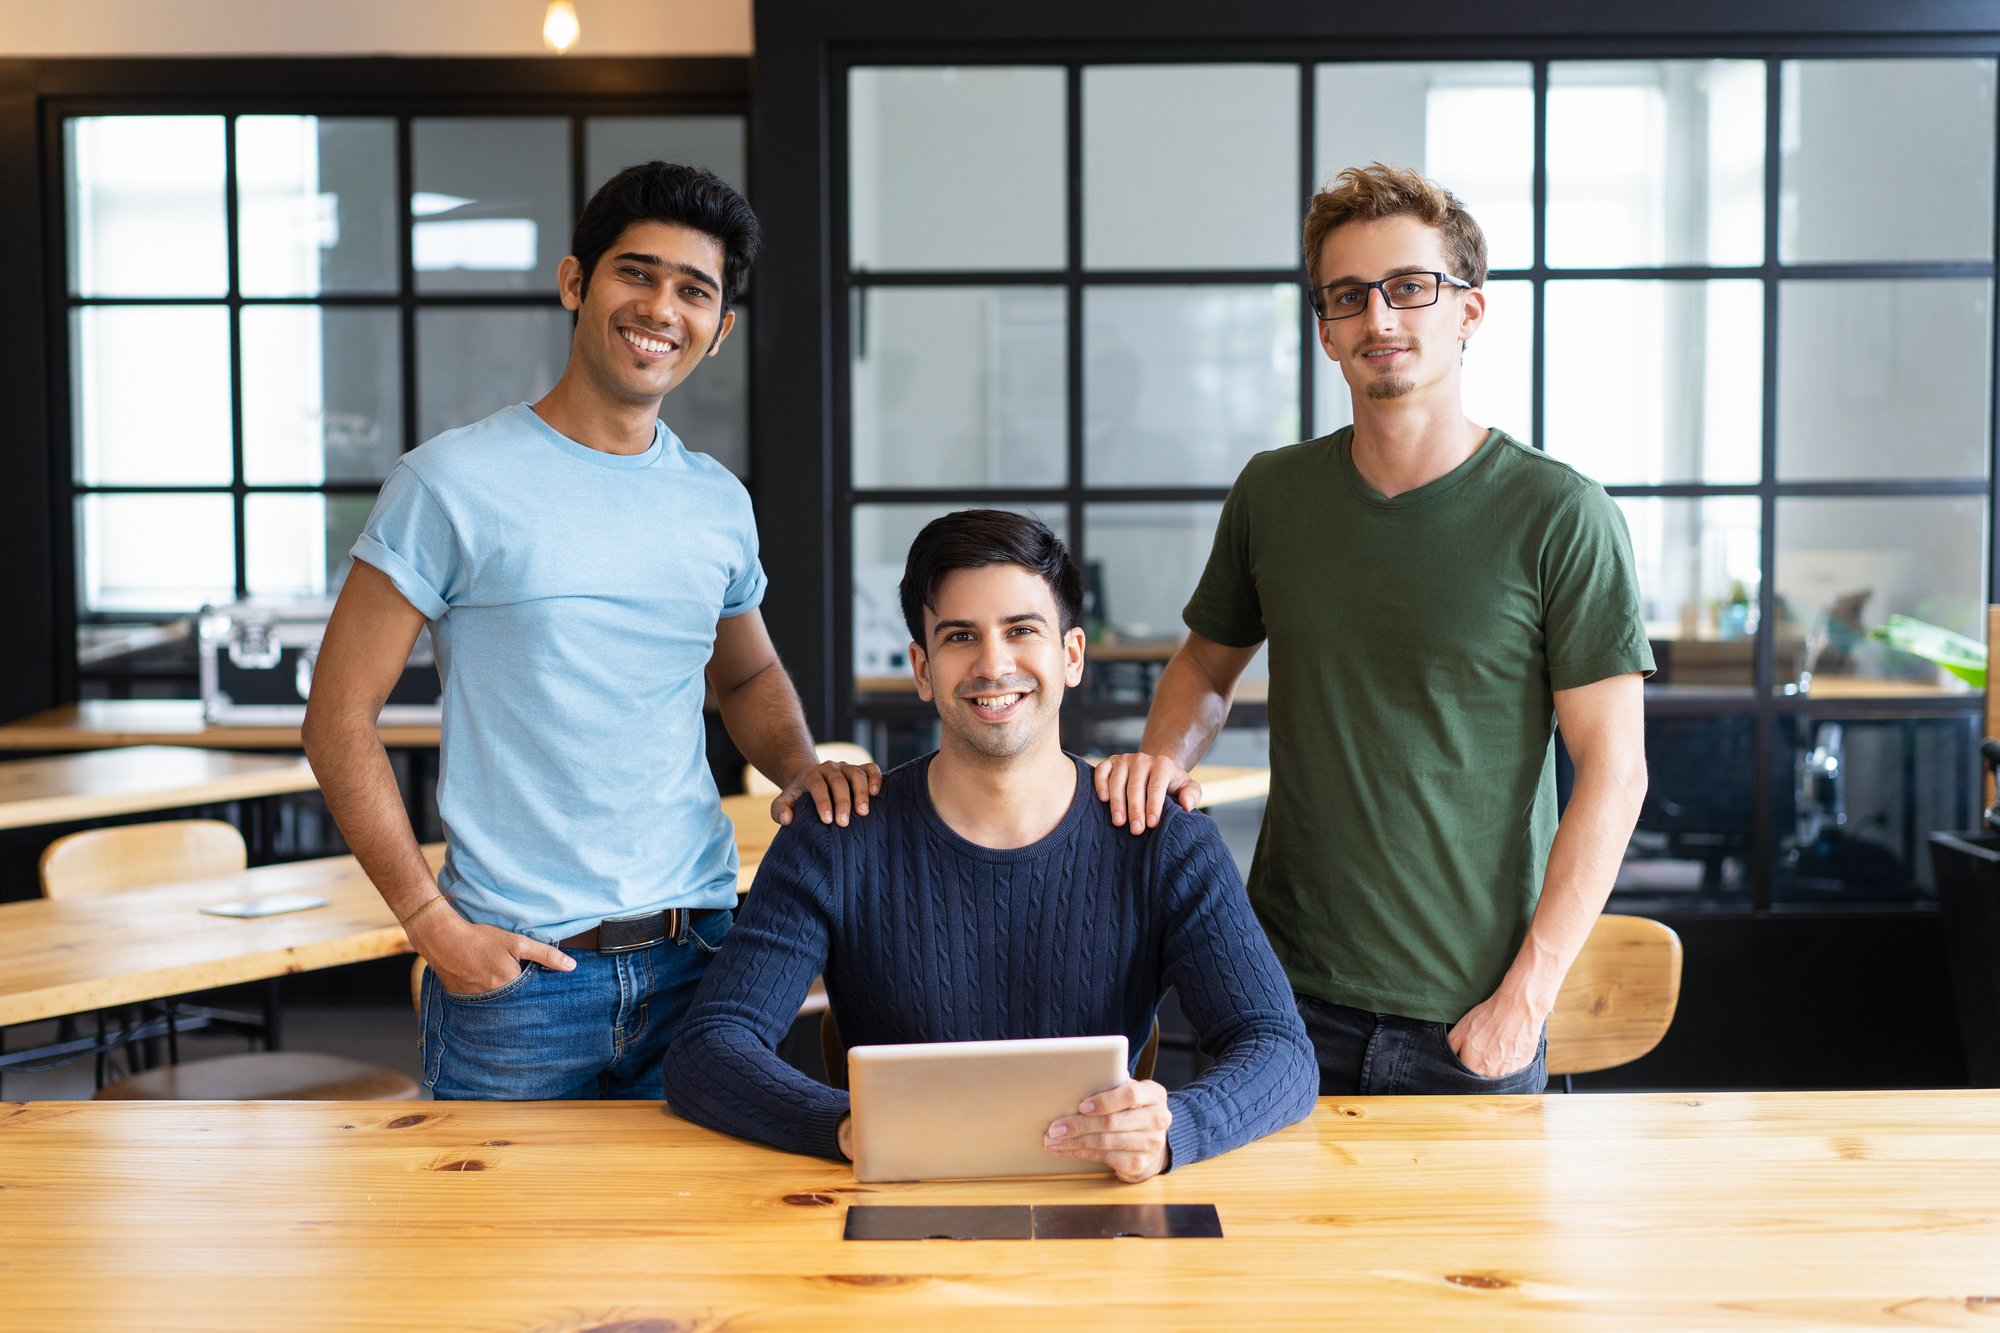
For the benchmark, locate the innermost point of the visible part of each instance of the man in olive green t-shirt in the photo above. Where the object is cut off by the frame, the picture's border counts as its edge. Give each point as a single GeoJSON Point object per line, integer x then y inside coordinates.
{"type": "Point", "coordinates": [1437, 598]}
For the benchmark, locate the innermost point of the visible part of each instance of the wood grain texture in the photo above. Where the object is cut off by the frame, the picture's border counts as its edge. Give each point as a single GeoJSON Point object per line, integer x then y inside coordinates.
{"type": "Point", "coordinates": [1751, 1211]}
{"type": "Point", "coordinates": [1619, 996]}
{"type": "Point", "coordinates": [72, 956]}
{"type": "Point", "coordinates": [99, 724]}
{"type": "Point", "coordinates": [75, 787]}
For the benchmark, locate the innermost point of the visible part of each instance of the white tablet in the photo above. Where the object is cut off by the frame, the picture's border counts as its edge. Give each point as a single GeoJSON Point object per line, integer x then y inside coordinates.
{"type": "Point", "coordinates": [954, 1110]}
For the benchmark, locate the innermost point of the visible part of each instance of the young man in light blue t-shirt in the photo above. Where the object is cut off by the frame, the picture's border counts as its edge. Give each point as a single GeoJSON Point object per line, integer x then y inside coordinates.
{"type": "Point", "coordinates": [584, 577]}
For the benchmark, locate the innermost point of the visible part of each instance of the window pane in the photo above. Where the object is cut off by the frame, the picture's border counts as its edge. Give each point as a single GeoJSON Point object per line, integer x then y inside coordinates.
{"type": "Point", "coordinates": [317, 204]}
{"type": "Point", "coordinates": [1498, 377]}
{"type": "Point", "coordinates": [710, 409]}
{"type": "Point", "coordinates": [1145, 128]}
{"type": "Point", "coordinates": [1141, 562]}
{"type": "Point", "coordinates": [956, 168]}
{"type": "Point", "coordinates": [148, 553]}
{"type": "Point", "coordinates": [1845, 566]}
{"type": "Point", "coordinates": [960, 386]}
{"type": "Point", "coordinates": [1471, 127]}
{"type": "Point", "coordinates": [1858, 132]}
{"type": "Point", "coordinates": [882, 537]}
{"type": "Point", "coordinates": [1656, 162]}
{"type": "Point", "coordinates": [1860, 397]}
{"type": "Point", "coordinates": [613, 143]}
{"type": "Point", "coordinates": [1856, 802]}
{"type": "Point", "coordinates": [1182, 384]}
{"type": "Point", "coordinates": [297, 545]}
{"type": "Point", "coordinates": [146, 212]}
{"type": "Point", "coordinates": [472, 363]}
{"type": "Point", "coordinates": [1677, 396]}
{"type": "Point", "coordinates": [1698, 579]}
{"type": "Point", "coordinates": [1692, 844]}
{"type": "Point", "coordinates": [150, 392]}
{"type": "Point", "coordinates": [322, 394]}
{"type": "Point", "coordinates": [490, 200]}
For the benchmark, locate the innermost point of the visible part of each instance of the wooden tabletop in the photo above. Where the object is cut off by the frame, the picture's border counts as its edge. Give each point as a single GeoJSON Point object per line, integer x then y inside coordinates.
{"type": "Point", "coordinates": [75, 787]}
{"type": "Point", "coordinates": [1752, 1211]}
{"type": "Point", "coordinates": [70, 956]}
{"type": "Point", "coordinates": [99, 724]}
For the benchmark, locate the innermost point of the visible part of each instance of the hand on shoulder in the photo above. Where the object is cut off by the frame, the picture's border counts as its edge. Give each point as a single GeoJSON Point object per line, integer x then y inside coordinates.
{"type": "Point", "coordinates": [1137, 786]}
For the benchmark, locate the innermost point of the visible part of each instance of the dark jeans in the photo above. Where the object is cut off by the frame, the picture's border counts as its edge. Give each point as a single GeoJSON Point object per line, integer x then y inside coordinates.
{"type": "Point", "coordinates": [598, 1032]}
{"type": "Point", "coordinates": [1366, 1054]}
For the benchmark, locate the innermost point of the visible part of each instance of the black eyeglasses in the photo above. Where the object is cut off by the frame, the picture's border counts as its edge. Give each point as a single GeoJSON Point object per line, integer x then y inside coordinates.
{"type": "Point", "coordinates": [1404, 291]}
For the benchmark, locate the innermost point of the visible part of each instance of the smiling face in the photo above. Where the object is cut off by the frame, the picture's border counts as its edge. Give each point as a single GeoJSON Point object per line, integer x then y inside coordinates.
{"type": "Point", "coordinates": [1388, 354]}
{"type": "Point", "coordinates": [996, 662]}
{"type": "Point", "coordinates": [650, 312]}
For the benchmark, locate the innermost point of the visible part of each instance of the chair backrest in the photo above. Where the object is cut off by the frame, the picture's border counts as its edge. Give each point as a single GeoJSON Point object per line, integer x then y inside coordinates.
{"type": "Point", "coordinates": [1618, 999]}
{"type": "Point", "coordinates": [109, 860]}
{"type": "Point", "coordinates": [847, 752]}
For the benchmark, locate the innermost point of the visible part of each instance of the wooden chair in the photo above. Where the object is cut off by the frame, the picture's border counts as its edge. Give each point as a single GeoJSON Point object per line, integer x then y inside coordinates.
{"type": "Point", "coordinates": [1618, 999]}
{"type": "Point", "coordinates": [110, 860]}
{"type": "Point", "coordinates": [847, 752]}
{"type": "Point", "coordinates": [833, 1050]}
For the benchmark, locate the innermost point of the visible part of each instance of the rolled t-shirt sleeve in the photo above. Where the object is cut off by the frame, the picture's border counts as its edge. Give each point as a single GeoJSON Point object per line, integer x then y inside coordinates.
{"type": "Point", "coordinates": [410, 537]}
{"type": "Point", "coordinates": [1225, 606]}
{"type": "Point", "coordinates": [747, 583]}
{"type": "Point", "coordinates": [1591, 616]}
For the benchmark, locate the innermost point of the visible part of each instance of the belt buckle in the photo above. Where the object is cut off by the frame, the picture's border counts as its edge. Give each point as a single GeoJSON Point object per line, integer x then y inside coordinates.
{"type": "Point", "coordinates": [649, 938]}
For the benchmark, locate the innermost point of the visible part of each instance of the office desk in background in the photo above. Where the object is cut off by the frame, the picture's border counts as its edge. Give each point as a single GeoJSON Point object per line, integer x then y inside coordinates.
{"type": "Point", "coordinates": [1670, 1212]}
{"type": "Point", "coordinates": [72, 788]}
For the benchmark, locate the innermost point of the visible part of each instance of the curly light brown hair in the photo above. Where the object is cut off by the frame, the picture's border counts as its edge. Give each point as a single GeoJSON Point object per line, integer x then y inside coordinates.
{"type": "Point", "coordinates": [1376, 191]}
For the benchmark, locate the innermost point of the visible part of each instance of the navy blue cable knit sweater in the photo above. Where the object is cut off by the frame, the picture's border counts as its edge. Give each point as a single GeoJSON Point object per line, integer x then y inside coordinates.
{"type": "Point", "coordinates": [924, 936]}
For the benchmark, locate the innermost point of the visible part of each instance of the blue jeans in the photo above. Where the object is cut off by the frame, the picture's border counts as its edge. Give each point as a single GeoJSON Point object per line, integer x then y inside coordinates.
{"type": "Point", "coordinates": [597, 1032]}
{"type": "Point", "coordinates": [1365, 1054]}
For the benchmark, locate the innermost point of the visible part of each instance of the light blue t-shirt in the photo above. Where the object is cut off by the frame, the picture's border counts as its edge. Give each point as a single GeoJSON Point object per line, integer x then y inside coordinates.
{"type": "Point", "coordinates": [573, 596]}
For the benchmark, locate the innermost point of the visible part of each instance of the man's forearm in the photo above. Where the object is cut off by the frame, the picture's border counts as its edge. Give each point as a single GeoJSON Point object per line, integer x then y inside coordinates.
{"type": "Point", "coordinates": [765, 721]}
{"type": "Point", "coordinates": [360, 789]}
{"type": "Point", "coordinates": [1188, 711]}
{"type": "Point", "coordinates": [1583, 865]}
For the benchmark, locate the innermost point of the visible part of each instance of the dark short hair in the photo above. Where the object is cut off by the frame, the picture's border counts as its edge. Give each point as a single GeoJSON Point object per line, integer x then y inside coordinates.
{"type": "Point", "coordinates": [680, 196]}
{"type": "Point", "coordinates": [976, 538]}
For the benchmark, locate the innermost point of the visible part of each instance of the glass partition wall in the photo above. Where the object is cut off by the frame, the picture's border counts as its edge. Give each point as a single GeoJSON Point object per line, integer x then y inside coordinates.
{"type": "Point", "coordinates": [265, 311]}
{"type": "Point", "coordinates": [1074, 288]}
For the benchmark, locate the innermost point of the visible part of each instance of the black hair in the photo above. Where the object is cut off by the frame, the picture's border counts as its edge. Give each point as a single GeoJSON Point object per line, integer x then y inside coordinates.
{"type": "Point", "coordinates": [682, 196]}
{"type": "Point", "coordinates": [976, 538]}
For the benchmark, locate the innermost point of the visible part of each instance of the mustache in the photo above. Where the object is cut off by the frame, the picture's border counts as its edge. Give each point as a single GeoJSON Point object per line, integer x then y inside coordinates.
{"type": "Point", "coordinates": [972, 688]}
{"type": "Point", "coordinates": [1411, 344]}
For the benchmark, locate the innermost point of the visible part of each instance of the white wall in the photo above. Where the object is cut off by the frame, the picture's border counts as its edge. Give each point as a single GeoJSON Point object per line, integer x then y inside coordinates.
{"type": "Point", "coordinates": [366, 27]}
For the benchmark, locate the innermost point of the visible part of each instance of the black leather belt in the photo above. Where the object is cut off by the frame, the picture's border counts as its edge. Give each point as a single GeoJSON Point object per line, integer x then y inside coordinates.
{"type": "Point", "coordinates": [623, 934]}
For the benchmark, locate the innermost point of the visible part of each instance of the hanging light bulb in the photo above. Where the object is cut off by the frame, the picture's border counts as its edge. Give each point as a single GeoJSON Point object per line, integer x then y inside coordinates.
{"type": "Point", "coordinates": [560, 28]}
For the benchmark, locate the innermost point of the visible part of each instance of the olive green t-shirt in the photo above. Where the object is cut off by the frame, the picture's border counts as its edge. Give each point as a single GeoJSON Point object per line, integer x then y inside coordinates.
{"type": "Point", "coordinates": [1415, 643]}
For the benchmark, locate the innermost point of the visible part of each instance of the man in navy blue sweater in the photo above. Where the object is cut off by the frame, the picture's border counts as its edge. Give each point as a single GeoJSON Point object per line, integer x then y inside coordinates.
{"type": "Point", "coordinates": [989, 896]}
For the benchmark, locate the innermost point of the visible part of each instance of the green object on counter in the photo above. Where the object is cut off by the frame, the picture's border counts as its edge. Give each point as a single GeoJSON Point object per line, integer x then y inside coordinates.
{"type": "Point", "coordinates": [1954, 652]}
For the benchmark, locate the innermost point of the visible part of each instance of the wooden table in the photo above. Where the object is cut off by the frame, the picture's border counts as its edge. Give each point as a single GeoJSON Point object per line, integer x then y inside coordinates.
{"type": "Point", "coordinates": [69, 956]}
{"type": "Point", "coordinates": [98, 724]}
{"type": "Point", "coordinates": [1753, 1211]}
{"type": "Point", "coordinates": [74, 787]}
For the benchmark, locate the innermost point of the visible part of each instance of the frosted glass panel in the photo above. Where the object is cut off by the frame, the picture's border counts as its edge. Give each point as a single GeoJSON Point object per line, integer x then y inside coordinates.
{"type": "Point", "coordinates": [1191, 166]}
{"type": "Point", "coordinates": [1183, 384]}
{"type": "Point", "coordinates": [956, 168]}
{"type": "Point", "coordinates": [1470, 127]}
{"type": "Point", "coordinates": [1656, 162]}
{"type": "Point", "coordinates": [1859, 397]}
{"type": "Point", "coordinates": [1677, 396]}
{"type": "Point", "coordinates": [489, 203]}
{"type": "Point", "coordinates": [146, 210]}
{"type": "Point", "coordinates": [322, 394]}
{"type": "Point", "coordinates": [1698, 580]}
{"type": "Point", "coordinates": [296, 545]}
{"type": "Point", "coordinates": [155, 553]}
{"type": "Point", "coordinates": [317, 204]}
{"type": "Point", "coordinates": [959, 386]}
{"type": "Point", "coordinates": [1142, 562]}
{"type": "Point", "coordinates": [1886, 159]}
{"type": "Point", "coordinates": [472, 363]}
{"type": "Point", "coordinates": [613, 143]}
{"type": "Point", "coordinates": [150, 394]}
